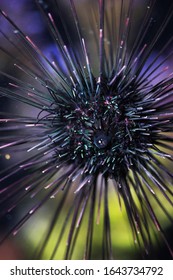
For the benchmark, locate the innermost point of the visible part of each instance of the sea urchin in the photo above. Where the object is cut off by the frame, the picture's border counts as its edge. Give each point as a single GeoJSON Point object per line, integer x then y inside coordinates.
{"type": "Point", "coordinates": [101, 122]}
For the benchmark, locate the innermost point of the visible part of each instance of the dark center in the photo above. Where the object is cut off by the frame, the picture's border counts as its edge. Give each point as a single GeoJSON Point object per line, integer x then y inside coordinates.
{"type": "Point", "coordinates": [101, 140]}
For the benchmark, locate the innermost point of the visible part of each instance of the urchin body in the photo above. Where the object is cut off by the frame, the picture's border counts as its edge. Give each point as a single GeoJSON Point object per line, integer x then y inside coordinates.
{"type": "Point", "coordinates": [102, 131]}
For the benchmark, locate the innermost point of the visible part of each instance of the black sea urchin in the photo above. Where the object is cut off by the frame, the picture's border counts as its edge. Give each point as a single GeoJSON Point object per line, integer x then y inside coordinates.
{"type": "Point", "coordinates": [100, 116]}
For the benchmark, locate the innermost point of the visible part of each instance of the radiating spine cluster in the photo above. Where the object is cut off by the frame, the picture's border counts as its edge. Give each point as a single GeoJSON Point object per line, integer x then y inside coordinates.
{"type": "Point", "coordinates": [92, 127]}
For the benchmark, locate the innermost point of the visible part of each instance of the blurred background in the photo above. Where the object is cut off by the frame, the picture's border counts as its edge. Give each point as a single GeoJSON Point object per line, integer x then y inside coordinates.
{"type": "Point", "coordinates": [26, 15]}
